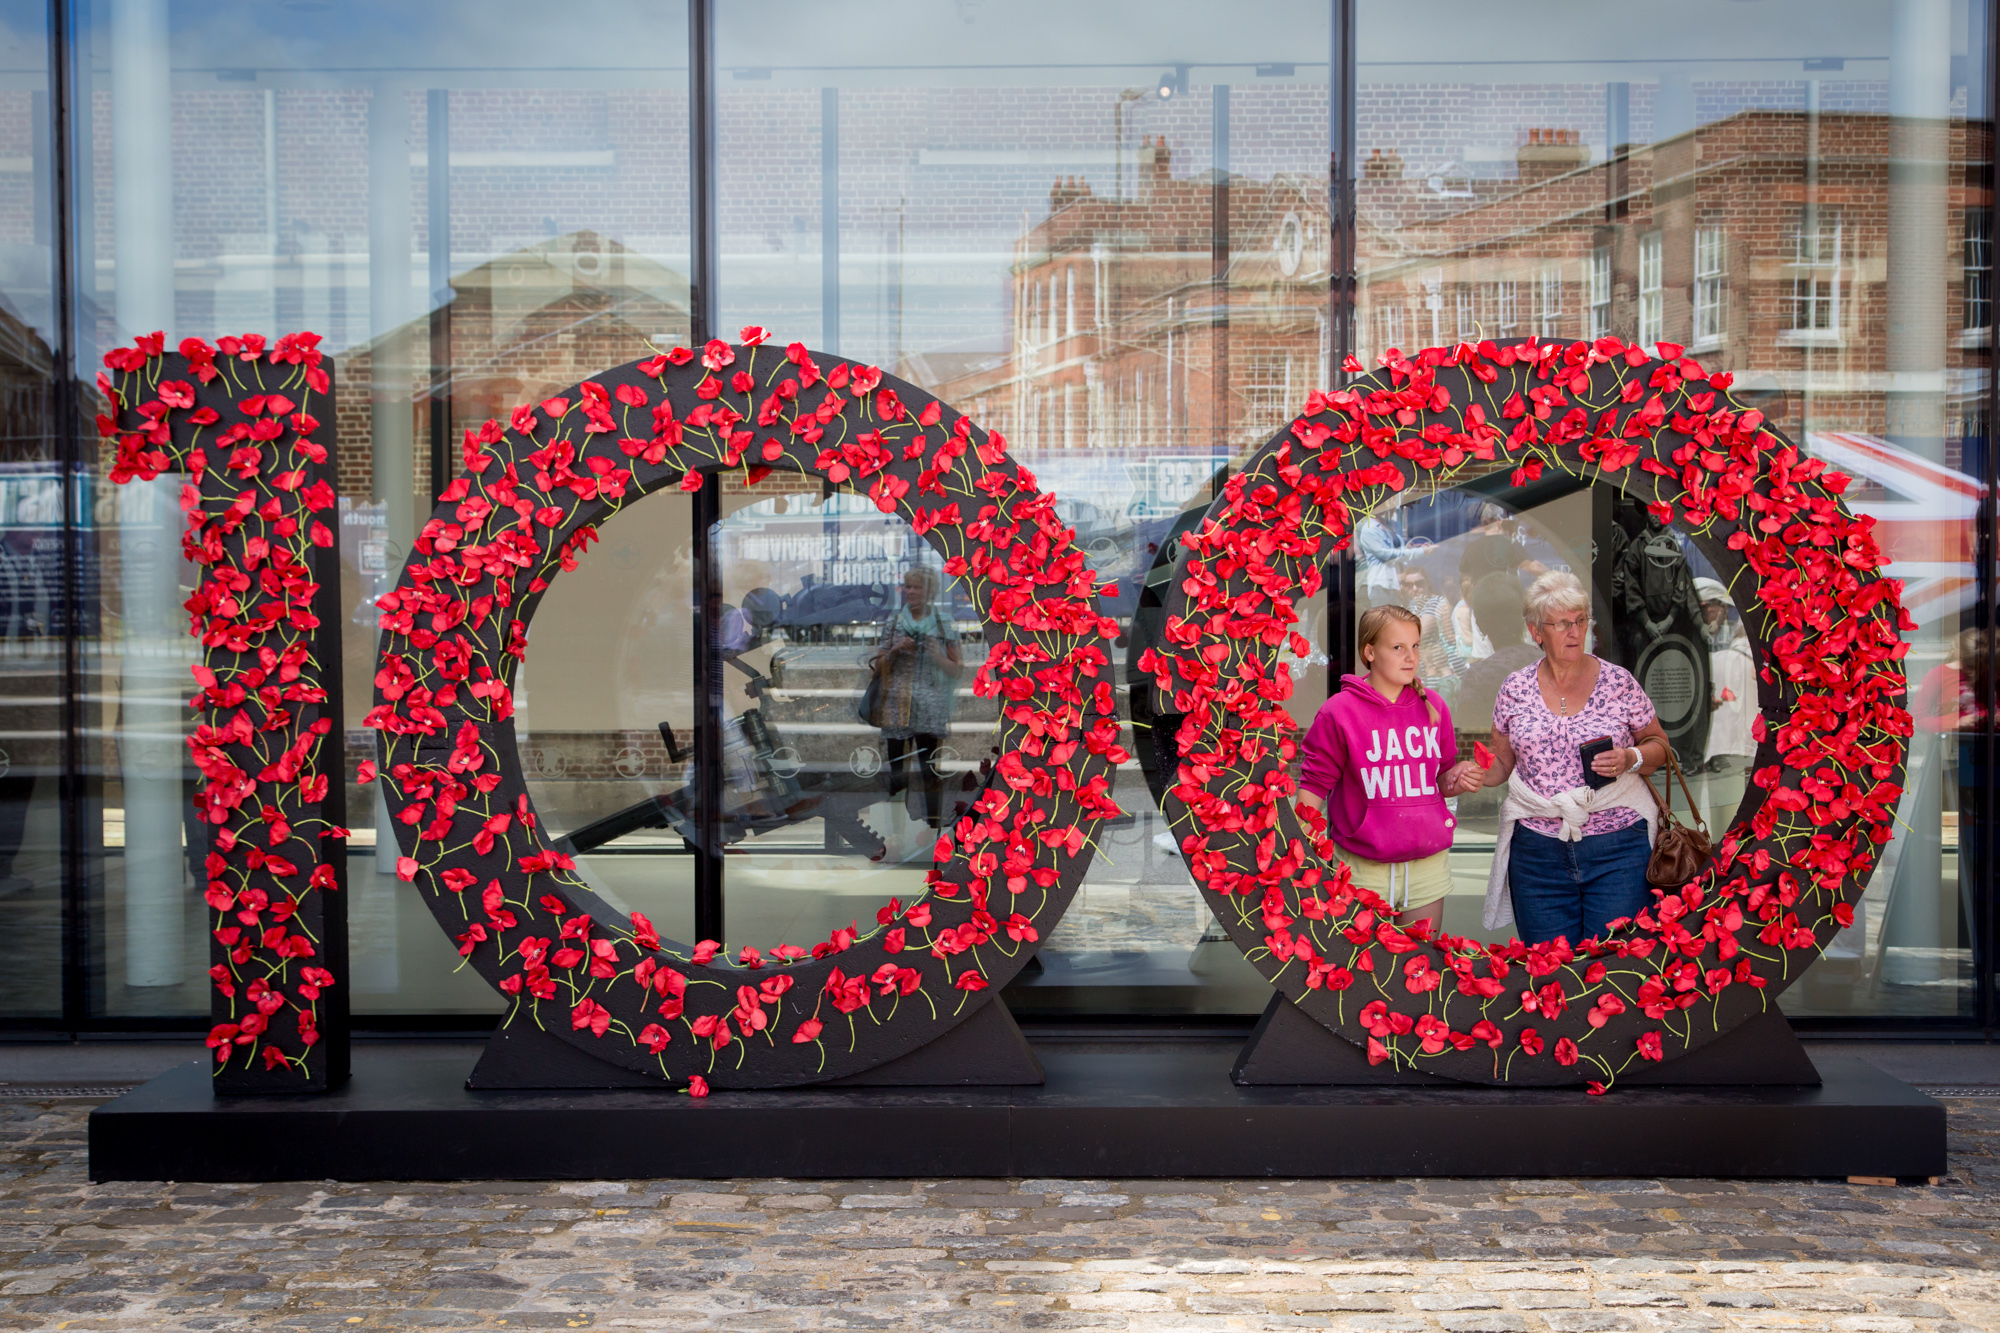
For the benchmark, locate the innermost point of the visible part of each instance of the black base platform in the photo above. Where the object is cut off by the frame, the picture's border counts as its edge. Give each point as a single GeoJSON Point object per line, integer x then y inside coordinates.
{"type": "Point", "coordinates": [1164, 1111]}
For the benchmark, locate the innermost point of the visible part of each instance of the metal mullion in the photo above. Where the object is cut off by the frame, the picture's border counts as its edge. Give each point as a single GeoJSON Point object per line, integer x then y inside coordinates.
{"type": "Point", "coordinates": [1342, 291]}
{"type": "Point", "coordinates": [707, 502]}
{"type": "Point", "coordinates": [72, 783]}
{"type": "Point", "coordinates": [1985, 929]}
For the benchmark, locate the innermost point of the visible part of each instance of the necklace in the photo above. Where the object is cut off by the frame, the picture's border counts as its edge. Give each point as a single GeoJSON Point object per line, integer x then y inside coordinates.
{"type": "Point", "coordinates": [1562, 695]}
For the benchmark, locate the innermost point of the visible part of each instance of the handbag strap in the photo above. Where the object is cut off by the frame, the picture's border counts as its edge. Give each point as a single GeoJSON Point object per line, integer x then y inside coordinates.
{"type": "Point", "coordinates": [1674, 773]}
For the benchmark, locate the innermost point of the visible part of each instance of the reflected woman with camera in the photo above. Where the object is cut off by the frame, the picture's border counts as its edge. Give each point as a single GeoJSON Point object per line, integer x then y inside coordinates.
{"type": "Point", "coordinates": [918, 668]}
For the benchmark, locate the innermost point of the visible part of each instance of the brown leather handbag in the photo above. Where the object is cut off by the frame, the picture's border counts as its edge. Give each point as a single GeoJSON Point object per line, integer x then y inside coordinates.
{"type": "Point", "coordinates": [1679, 852]}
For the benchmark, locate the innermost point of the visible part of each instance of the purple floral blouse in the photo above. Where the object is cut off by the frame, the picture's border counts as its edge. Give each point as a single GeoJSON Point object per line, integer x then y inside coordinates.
{"type": "Point", "coordinates": [1545, 745]}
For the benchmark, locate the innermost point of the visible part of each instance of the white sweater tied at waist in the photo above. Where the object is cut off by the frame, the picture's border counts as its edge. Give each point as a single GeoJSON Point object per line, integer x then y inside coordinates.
{"type": "Point", "coordinates": [1574, 808]}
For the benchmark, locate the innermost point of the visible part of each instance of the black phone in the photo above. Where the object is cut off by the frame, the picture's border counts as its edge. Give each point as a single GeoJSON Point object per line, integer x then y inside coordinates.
{"type": "Point", "coordinates": [1588, 751]}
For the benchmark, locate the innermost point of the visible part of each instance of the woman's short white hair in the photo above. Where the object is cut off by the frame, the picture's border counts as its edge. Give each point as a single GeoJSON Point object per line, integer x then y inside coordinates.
{"type": "Point", "coordinates": [927, 575]}
{"type": "Point", "coordinates": [1557, 591]}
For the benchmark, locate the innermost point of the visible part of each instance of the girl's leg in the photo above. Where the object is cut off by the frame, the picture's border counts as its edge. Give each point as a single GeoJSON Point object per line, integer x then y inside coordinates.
{"type": "Point", "coordinates": [1426, 884]}
{"type": "Point", "coordinates": [1433, 913]}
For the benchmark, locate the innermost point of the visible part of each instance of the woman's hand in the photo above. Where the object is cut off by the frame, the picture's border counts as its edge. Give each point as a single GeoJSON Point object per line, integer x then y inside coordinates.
{"type": "Point", "coordinates": [1462, 777]}
{"type": "Point", "coordinates": [1612, 763]}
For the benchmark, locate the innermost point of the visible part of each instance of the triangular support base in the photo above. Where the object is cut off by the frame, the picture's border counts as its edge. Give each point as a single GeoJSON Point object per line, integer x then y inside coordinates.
{"type": "Point", "coordinates": [985, 1050]}
{"type": "Point", "coordinates": [1289, 1046]}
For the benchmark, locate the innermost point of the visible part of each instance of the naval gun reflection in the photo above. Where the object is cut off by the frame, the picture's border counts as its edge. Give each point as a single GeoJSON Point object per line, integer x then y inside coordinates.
{"type": "Point", "coordinates": [771, 793]}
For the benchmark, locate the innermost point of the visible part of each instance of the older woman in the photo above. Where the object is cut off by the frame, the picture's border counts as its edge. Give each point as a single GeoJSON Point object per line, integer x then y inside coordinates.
{"type": "Point", "coordinates": [1570, 857]}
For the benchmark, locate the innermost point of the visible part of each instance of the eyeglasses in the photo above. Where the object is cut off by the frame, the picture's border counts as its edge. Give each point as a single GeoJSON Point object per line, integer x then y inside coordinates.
{"type": "Point", "coordinates": [1565, 626]}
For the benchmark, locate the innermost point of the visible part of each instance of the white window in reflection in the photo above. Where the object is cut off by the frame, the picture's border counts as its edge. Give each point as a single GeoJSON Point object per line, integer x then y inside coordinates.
{"type": "Point", "coordinates": [1549, 300]}
{"type": "Point", "coordinates": [1814, 271]}
{"type": "Point", "coordinates": [1268, 393]}
{"type": "Point", "coordinates": [1652, 296]}
{"type": "Point", "coordinates": [1710, 273]}
{"type": "Point", "coordinates": [1978, 314]}
{"type": "Point", "coordinates": [1390, 325]}
{"type": "Point", "coordinates": [1600, 291]}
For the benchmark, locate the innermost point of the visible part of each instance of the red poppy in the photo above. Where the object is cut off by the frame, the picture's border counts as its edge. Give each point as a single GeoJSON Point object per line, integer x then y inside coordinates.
{"type": "Point", "coordinates": [590, 1014]}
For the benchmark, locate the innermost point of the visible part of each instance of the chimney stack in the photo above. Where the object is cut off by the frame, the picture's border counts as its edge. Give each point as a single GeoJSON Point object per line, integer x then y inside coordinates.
{"type": "Point", "coordinates": [1551, 152]}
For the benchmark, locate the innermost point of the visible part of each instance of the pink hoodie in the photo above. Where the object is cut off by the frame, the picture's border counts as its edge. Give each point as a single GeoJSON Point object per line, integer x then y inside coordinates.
{"type": "Point", "coordinates": [1376, 764]}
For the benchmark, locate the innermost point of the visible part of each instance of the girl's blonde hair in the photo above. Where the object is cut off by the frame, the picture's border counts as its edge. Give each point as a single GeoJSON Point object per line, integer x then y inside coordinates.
{"type": "Point", "coordinates": [1375, 622]}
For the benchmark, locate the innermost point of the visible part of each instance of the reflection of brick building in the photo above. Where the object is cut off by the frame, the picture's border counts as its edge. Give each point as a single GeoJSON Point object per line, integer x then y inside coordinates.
{"type": "Point", "coordinates": [1129, 315]}
{"type": "Point", "coordinates": [1761, 242]}
{"type": "Point", "coordinates": [522, 326]}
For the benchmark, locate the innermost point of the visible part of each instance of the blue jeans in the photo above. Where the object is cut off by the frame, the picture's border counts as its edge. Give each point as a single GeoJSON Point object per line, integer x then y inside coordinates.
{"type": "Point", "coordinates": [1572, 888]}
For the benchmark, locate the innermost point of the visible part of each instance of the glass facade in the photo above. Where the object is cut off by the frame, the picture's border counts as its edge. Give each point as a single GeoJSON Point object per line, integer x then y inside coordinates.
{"type": "Point", "coordinates": [1133, 248]}
{"type": "Point", "coordinates": [1815, 223]}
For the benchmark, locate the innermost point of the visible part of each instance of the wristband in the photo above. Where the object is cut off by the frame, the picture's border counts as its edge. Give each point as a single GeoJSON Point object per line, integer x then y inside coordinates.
{"type": "Point", "coordinates": [1638, 757]}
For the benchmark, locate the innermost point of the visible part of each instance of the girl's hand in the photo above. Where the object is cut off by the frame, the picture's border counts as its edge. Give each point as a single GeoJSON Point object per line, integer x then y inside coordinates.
{"type": "Point", "coordinates": [1462, 777]}
{"type": "Point", "coordinates": [1612, 763]}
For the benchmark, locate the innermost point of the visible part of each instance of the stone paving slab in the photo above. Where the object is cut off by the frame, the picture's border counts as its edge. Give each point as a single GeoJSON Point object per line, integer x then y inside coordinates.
{"type": "Point", "coordinates": [1376, 1256]}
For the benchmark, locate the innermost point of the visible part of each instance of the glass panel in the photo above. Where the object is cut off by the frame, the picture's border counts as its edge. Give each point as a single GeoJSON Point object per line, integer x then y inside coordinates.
{"type": "Point", "coordinates": [476, 205]}
{"type": "Point", "coordinates": [604, 712]}
{"type": "Point", "coordinates": [828, 814]}
{"type": "Point", "coordinates": [1464, 559]}
{"type": "Point", "coordinates": [33, 612]}
{"type": "Point", "coordinates": [1115, 254]}
{"type": "Point", "coordinates": [1820, 226]}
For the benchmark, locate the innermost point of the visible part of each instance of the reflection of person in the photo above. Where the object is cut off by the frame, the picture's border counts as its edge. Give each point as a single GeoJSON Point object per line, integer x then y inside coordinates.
{"type": "Point", "coordinates": [919, 663]}
{"type": "Point", "coordinates": [1574, 856]}
{"type": "Point", "coordinates": [1942, 782]}
{"type": "Point", "coordinates": [1378, 763]}
{"type": "Point", "coordinates": [748, 627]}
{"type": "Point", "coordinates": [1381, 551]}
{"type": "Point", "coordinates": [1496, 546]}
{"type": "Point", "coordinates": [1947, 699]}
{"type": "Point", "coordinates": [24, 618]}
{"type": "Point", "coordinates": [1437, 653]}
{"type": "Point", "coordinates": [1732, 675]}
{"type": "Point", "coordinates": [1497, 601]}
{"type": "Point", "coordinates": [1465, 632]}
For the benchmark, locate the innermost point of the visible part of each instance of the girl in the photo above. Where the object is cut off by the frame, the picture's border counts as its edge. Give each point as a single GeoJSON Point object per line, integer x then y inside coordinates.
{"type": "Point", "coordinates": [1378, 762]}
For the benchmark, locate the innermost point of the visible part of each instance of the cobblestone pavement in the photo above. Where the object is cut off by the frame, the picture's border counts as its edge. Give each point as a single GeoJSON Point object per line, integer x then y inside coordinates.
{"type": "Point", "coordinates": [1562, 1256]}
